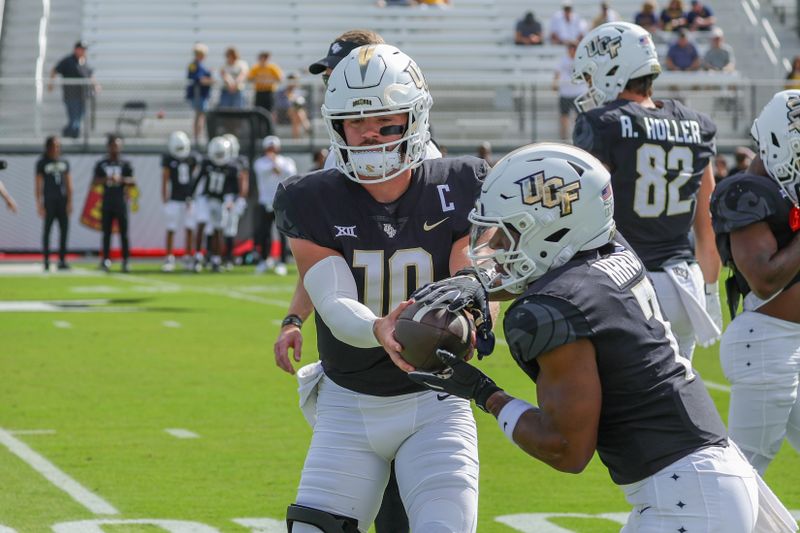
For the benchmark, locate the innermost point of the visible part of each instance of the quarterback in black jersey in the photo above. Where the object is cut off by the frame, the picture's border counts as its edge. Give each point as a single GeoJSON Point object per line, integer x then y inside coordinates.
{"type": "Point", "coordinates": [587, 327]}
{"type": "Point", "coordinates": [178, 169]}
{"type": "Point", "coordinates": [116, 175]}
{"type": "Point", "coordinates": [756, 219]}
{"type": "Point", "coordinates": [364, 236]}
{"type": "Point", "coordinates": [659, 153]}
{"type": "Point", "coordinates": [54, 198]}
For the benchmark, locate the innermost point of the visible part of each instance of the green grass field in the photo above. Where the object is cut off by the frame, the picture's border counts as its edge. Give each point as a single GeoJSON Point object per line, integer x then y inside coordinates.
{"type": "Point", "coordinates": [87, 392]}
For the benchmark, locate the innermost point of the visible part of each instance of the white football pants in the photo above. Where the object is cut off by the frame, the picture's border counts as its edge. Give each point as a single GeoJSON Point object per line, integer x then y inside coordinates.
{"type": "Point", "coordinates": [760, 356]}
{"type": "Point", "coordinates": [673, 308]}
{"type": "Point", "coordinates": [434, 444]}
{"type": "Point", "coordinates": [713, 490]}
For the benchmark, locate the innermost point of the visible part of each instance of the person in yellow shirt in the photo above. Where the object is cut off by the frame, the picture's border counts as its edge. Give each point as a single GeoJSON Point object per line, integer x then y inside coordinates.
{"type": "Point", "coordinates": [266, 77]}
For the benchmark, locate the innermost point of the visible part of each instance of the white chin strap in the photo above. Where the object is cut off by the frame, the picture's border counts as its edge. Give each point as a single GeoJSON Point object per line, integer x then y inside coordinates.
{"type": "Point", "coordinates": [375, 163]}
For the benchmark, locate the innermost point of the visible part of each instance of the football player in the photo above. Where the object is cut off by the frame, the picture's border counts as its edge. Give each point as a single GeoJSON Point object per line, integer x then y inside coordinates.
{"type": "Point", "coordinates": [218, 184]}
{"type": "Point", "coordinates": [659, 154]}
{"type": "Point", "coordinates": [233, 211]}
{"type": "Point", "coordinates": [116, 176]}
{"type": "Point", "coordinates": [756, 219]}
{"type": "Point", "coordinates": [587, 328]}
{"type": "Point", "coordinates": [54, 198]}
{"type": "Point", "coordinates": [363, 235]}
{"type": "Point", "coordinates": [178, 168]}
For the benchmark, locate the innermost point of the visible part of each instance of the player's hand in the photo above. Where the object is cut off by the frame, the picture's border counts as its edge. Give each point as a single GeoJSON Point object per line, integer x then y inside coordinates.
{"type": "Point", "coordinates": [459, 379]}
{"type": "Point", "coordinates": [713, 307]}
{"type": "Point", "coordinates": [383, 328]}
{"type": "Point", "coordinates": [289, 337]}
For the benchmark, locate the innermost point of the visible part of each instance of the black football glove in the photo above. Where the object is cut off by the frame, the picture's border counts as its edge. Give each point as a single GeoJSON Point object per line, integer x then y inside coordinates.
{"type": "Point", "coordinates": [458, 378]}
{"type": "Point", "coordinates": [463, 292]}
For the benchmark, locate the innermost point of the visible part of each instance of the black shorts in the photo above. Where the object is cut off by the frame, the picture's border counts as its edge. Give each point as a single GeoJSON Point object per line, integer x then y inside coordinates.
{"type": "Point", "coordinates": [566, 104]}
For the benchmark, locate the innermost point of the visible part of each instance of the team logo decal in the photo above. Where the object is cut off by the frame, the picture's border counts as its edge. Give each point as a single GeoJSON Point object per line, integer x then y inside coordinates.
{"type": "Point", "coordinates": [390, 230]}
{"type": "Point", "coordinates": [550, 192]}
{"type": "Point", "coordinates": [602, 45]}
{"type": "Point", "coordinates": [793, 104]}
{"type": "Point", "coordinates": [416, 75]}
{"type": "Point", "coordinates": [335, 47]}
{"type": "Point", "coordinates": [345, 231]}
{"type": "Point", "coordinates": [362, 101]}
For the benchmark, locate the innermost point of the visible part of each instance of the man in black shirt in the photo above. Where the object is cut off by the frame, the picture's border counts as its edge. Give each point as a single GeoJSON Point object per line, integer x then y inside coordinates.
{"type": "Point", "coordinates": [80, 84]}
{"type": "Point", "coordinates": [587, 328]}
{"type": "Point", "coordinates": [116, 175]}
{"type": "Point", "coordinates": [54, 198]}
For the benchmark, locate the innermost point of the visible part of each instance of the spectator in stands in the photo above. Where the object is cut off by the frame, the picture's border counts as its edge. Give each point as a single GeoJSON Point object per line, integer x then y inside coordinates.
{"type": "Point", "coordinates": [682, 54]}
{"type": "Point", "coordinates": [318, 159]}
{"type": "Point", "coordinates": [266, 77]}
{"type": "Point", "coordinates": [742, 156]}
{"type": "Point", "coordinates": [606, 15]}
{"type": "Point", "coordinates": [700, 17]}
{"type": "Point", "coordinates": [647, 18]}
{"type": "Point", "coordinates": [234, 74]}
{"type": "Point", "coordinates": [673, 17]}
{"type": "Point", "coordinates": [719, 55]}
{"type": "Point", "coordinates": [793, 78]}
{"type": "Point", "coordinates": [79, 87]}
{"type": "Point", "coordinates": [565, 25]}
{"type": "Point", "coordinates": [54, 198]}
{"type": "Point", "coordinates": [720, 168]}
{"type": "Point", "coordinates": [567, 91]}
{"type": "Point", "coordinates": [6, 196]}
{"type": "Point", "coordinates": [528, 31]}
{"type": "Point", "coordinates": [290, 107]}
{"type": "Point", "coordinates": [485, 152]}
{"type": "Point", "coordinates": [199, 88]}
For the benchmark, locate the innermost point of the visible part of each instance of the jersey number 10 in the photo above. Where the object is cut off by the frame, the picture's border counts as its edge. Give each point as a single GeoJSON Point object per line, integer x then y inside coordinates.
{"type": "Point", "coordinates": [375, 278]}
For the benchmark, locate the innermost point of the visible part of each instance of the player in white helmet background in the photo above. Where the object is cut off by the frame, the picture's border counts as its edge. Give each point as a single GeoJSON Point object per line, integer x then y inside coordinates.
{"type": "Point", "coordinates": [355, 232]}
{"type": "Point", "coordinates": [178, 169]}
{"type": "Point", "coordinates": [587, 328]}
{"type": "Point", "coordinates": [234, 208]}
{"type": "Point", "coordinates": [659, 154]}
{"type": "Point", "coordinates": [756, 220]}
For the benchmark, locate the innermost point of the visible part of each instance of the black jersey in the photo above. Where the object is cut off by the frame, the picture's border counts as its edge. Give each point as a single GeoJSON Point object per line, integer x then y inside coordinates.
{"type": "Point", "coordinates": [216, 181]}
{"type": "Point", "coordinates": [181, 176]}
{"type": "Point", "coordinates": [54, 172]}
{"type": "Point", "coordinates": [742, 200]}
{"type": "Point", "coordinates": [655, 408]}
{"type": "Point", "coordinates": [113, 191]}
{"type": "Point", "coordinates": [656, 158]}
{"type": "Point", "coordinates": [391, 248]}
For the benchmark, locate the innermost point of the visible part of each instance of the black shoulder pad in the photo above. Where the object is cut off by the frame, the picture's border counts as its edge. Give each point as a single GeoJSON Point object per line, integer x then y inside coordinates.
{"type": "Point", "coordinates": [583, 134]}
{"type": "Point", "coordinates": [742, 200]}
{"type": "Point", "coordinates": [285, 218]}
{"type": "Point", "coordinates": [540, 323]}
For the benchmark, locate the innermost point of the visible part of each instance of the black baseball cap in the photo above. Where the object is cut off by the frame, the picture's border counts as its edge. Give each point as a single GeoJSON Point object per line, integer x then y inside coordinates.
{"type": "Point", "coordinates": [337, 51]}
{"type": "Point", "coordinates": [81, 44]}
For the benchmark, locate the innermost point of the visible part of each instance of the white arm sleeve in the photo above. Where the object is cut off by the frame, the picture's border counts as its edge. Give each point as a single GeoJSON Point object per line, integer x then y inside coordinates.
{"type": "Point", "coordinates": [332, 289]}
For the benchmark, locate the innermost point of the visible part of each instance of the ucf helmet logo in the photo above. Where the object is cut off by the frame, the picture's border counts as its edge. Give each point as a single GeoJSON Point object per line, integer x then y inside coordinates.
{"type": "Point", "coordinates": [793, 104]}
{"type": "Point", "coordinates": [550, 192]}
{"type": "Point", "coordinates": [602, 45]}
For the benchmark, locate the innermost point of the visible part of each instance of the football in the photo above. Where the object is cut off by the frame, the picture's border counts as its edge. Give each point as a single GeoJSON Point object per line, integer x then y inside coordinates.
{"type": "Point", "coordinates": [421, 329]}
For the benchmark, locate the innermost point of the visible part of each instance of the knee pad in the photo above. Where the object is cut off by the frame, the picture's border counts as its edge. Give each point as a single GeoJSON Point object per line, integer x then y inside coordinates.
{"type": "Point", "coordinates": [324, 521]}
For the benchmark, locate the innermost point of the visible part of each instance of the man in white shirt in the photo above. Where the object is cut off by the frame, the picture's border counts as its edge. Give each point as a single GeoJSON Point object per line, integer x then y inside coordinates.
{"type": "Point", "coordinates": [566, 26]}
{"type": "Point", "coordinates": [270, 170]}
{"type": "Point", "coordinates": [567, 91]}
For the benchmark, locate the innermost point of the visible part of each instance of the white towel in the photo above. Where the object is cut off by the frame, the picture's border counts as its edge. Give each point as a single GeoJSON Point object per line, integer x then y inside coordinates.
{"type": "Point", "coordinates": [693, 298]}
{"type": "Point", "coordinates": [308, 377]}
{"type": "Point", "coordinates": [773, 517]}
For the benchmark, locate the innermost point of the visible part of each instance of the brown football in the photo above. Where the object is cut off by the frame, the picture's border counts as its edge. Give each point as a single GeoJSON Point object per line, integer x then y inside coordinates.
{"type": "Point", "coordinates": [422, 329]}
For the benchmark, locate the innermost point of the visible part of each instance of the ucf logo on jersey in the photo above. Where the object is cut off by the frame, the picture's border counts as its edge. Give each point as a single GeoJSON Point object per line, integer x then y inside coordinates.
{"type": "Point", "coordinates": [602, 45]}
{"type": "Point", "coordinates": [793, 104]}
{"type": "Point", "coordinates": [550, 192]}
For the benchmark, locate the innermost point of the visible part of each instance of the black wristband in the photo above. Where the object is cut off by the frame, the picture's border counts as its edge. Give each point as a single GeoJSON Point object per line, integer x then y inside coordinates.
{"type": "Point", "coordinates": [292, 320]}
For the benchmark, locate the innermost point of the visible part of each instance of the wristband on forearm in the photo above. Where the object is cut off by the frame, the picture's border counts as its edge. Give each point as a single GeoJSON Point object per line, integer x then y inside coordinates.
{"type": "Point", "coordinates": [510, 414]}
{"type": "Point", "coordinates": [292, 320]}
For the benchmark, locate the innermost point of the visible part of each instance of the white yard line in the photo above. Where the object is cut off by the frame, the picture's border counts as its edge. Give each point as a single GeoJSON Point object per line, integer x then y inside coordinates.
{"type": "Point", "coordinates": [33, 432]}
{"type": "Point", "coordinates": [62, 324]}
{"type": "Point", "coordinates": [57, 477]}
{"type": "Point", "coordinates": [171, 324]}
{"type": "Point", "coordinates": [179, 433]}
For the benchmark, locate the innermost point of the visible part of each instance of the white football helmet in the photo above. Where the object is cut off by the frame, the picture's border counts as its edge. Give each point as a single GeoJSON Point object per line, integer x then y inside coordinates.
{"type": "Point", "coordinates": [234, 140]}
{"type": "Point", "coordinates": [375, 80]}
{"type": "Point", "coordinates": [539, 206]}
{"type": "Point", "coordinates": [219, 151]}
{"type": "Point", "coordinates": [777, 132]}
{"type": "Point", "coordinates": [608, 57]}
{"type": "Point", "coordinates": [179, 145]}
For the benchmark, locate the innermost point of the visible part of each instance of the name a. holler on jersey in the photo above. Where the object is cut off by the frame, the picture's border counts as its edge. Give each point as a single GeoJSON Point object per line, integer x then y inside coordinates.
{"type": "Point", "coordinates": [663, 129]}
{"type": "Point", "coordinates": [621, 267]}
